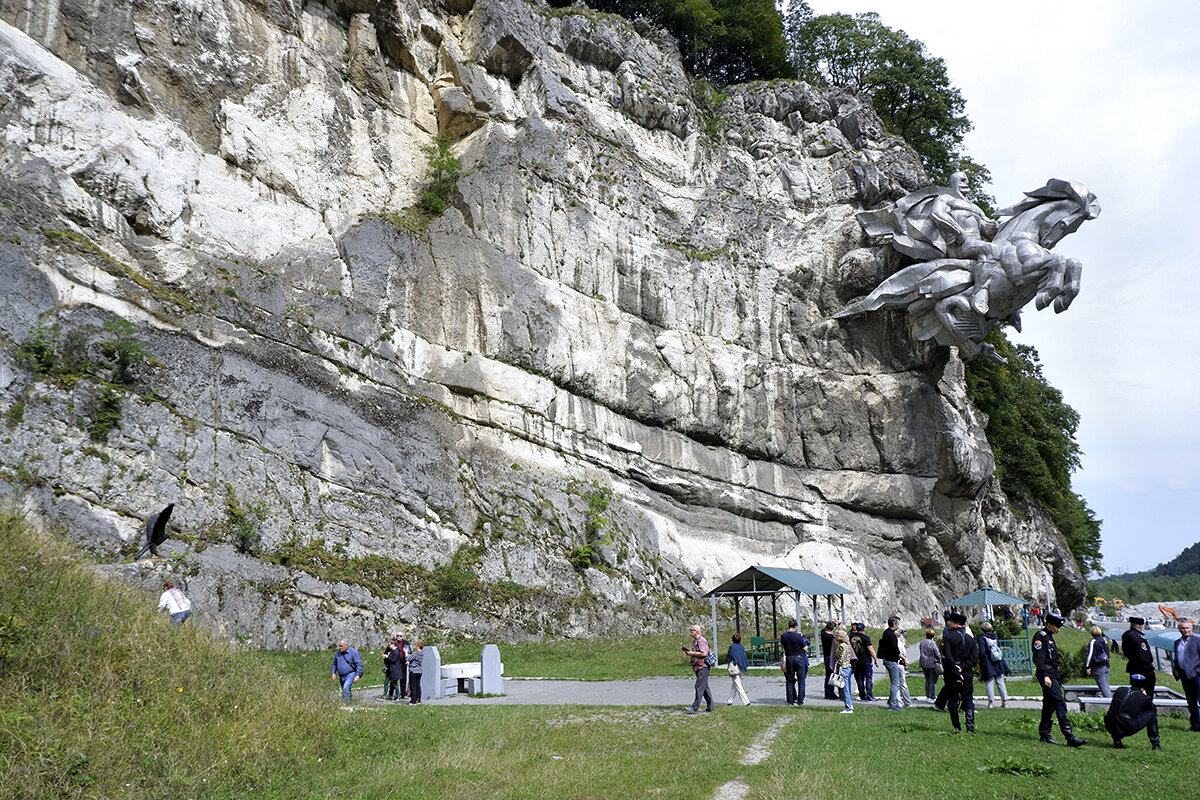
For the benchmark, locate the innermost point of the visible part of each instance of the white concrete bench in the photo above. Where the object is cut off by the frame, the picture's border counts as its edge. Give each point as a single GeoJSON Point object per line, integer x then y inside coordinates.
{"type": "Point", "coordinates": [484, 676]}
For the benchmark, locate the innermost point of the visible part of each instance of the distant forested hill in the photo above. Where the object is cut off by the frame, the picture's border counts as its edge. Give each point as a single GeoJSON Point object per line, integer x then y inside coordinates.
{"type": "Point", "coordinates": [1177, 579]}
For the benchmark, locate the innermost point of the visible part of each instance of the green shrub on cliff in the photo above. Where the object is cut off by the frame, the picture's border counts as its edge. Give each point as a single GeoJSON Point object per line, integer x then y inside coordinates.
{"type": "Point", "coordinates": [435, 196]}
{"type": "Point", "coordinates": [1032, 434]}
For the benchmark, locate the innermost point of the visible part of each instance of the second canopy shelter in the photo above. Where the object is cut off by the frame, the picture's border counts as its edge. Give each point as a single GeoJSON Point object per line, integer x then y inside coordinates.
{"type": "Point", "coordinates": [773, 582]}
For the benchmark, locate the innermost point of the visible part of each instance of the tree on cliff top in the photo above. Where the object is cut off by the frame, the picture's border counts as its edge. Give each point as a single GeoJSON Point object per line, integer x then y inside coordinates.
{"type": "Point", "coordinates": [1032, 434]}
{"type": "Point", "coordinates": [722, 41]}
{"type": "Point", "coordinates": [908, 87]}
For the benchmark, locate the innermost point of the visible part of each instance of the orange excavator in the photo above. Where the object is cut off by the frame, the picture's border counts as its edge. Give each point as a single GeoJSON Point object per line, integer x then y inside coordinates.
{"type": "Point", "coordinates": [1169, 612]}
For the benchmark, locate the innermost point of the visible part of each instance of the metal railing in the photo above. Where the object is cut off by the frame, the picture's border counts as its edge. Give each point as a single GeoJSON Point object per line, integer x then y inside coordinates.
{"type": "Point", "coordinates": [1016, 654]}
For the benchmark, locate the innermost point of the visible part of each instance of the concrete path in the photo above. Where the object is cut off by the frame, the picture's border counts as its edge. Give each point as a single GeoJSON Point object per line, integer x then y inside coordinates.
{"type": "Point", "coordinates": [763, 686]}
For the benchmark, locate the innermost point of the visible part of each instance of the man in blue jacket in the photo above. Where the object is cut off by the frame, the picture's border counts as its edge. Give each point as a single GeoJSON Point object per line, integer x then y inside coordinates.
{"type": "Point", "coordinates": [347, 668]}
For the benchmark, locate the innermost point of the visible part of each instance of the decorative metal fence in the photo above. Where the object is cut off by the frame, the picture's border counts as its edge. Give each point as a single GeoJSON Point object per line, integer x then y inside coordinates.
{"type": "Point", "coordinates": [1016, 654]}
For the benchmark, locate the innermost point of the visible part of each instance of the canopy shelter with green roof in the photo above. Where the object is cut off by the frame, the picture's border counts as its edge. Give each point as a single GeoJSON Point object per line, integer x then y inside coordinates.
{"type": "Point", "coordinates": [986, 596]}
{"type": "Point", "coordinates": [759, 582]}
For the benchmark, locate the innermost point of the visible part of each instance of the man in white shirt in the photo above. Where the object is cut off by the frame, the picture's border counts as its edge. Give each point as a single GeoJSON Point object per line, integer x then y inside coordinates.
{"type": "Point", "coordinates": [175, 602]}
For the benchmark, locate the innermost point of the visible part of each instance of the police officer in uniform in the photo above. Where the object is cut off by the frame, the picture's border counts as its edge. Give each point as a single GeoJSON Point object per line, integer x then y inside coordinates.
{"type": "Point", "coordinates": [1131, 710]}
{"type": "Point", "coordinates": [1045, 660]}
{"type": "Point", "coordinates": [959, 654]}
{"type": "Point", "coordinates": [1139, 659]}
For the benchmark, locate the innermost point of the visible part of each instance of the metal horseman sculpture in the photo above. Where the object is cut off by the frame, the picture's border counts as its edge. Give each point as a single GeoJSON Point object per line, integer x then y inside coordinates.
{"type": "Point", "coordinates": [974, 273]}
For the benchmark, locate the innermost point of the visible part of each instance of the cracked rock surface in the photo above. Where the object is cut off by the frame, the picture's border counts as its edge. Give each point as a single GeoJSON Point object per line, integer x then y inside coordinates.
{"type": "Point", "coordinates": [599, 383]}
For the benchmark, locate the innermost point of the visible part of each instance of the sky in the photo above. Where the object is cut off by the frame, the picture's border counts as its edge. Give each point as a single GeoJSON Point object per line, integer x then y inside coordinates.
{"type": "Point", "coordinates": [1106, 93]}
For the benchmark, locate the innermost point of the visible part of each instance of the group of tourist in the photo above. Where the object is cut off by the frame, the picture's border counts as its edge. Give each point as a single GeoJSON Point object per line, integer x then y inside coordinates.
{"type": "Point", "coordinates": [850, 655]}
{"type": "Point", "coordinates": [402, 669]}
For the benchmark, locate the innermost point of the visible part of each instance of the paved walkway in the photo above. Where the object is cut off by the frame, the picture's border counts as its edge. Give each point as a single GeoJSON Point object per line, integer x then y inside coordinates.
{"type": "Point", "coordinates": [763, 686]}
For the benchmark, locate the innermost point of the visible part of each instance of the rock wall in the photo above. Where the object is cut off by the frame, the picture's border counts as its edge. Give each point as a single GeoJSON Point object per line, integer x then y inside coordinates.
{"type": "Point", "coordinates": [597, 384]}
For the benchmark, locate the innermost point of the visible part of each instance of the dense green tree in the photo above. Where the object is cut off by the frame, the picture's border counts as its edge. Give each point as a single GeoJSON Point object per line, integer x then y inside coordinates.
{"type": "Point", "coordinates": [1186, 563]}
{"type": "Point", "coordinates": [1032, 434]}
{"type": "Point", "coordinates": [1177, 579]}
{"type": "Point", "coordinates": [908, 87]}
{"type": "Point", "coordinates": [722, 41]}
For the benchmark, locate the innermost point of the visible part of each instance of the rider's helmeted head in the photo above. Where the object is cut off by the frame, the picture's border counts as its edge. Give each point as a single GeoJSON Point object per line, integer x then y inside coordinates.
{"type": "Point", "coordinates": [958, 182]}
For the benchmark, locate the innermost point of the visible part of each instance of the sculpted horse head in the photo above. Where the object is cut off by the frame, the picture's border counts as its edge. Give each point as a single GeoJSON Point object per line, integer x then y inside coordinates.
{"type": "Point", "coordinates": [1049, 213]}
{"type": "Point", "coordinates": [1035, 226]}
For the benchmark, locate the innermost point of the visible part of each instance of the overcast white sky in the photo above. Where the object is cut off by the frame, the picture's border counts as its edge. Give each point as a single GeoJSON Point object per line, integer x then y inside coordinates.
{"type": "Point", "coordinates": [1106, 93]}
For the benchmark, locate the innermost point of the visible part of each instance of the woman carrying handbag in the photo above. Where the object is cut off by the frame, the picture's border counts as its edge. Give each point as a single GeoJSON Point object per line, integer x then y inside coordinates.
{"type": "Point", "coordinates": [738, 665]}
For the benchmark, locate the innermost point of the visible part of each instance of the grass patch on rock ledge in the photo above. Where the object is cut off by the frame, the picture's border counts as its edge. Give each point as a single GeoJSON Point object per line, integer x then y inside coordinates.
{"type": "Point", "coordinates": [445, 170]}
{"type": "Point", "coordinates": [454, 584]}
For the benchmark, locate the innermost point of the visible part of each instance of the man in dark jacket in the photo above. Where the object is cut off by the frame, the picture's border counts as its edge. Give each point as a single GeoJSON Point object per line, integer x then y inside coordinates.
{"type": "Point", "coordinates": [1045, 662]}
{"type": "Point", "coordinates": [827, 654]}
{"type": "Point", "coordinates": [959, 655]}
{"type": "Point", "coordinates": [1132, 709]}
{"type": "Point", "coordinates": [1135, 648]}
{"type": "Point", "coordinates": [864, 662]}
{"type": "Point", "coordinates": [893, 661]}
{"type": "Point", "coordinates": [795, 663]}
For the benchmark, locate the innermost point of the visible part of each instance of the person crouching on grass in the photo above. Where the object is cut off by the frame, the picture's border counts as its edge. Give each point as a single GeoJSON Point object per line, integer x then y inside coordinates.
{"type": "Point", "coordinates": [1132, 709]}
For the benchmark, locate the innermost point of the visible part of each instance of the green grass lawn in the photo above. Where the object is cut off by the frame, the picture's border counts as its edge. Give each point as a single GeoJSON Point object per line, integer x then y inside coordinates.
{"type": "Point", "coordinates": [912, 754]}
{"type": "Point", "coordinates": [100, 697]}
{"type": "Point", "coordinates": [581, 752]}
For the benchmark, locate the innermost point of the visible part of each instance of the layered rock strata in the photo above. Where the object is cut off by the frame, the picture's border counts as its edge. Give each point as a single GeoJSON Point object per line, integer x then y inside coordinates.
{"type": "Point", "coordinates": [598, 383]}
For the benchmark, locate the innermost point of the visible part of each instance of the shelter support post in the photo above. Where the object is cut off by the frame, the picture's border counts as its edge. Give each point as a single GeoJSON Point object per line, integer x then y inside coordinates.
{"type": "Point", "coordinates": [715, 648]}
{"type": "Point", "coordinates": [816, 629]}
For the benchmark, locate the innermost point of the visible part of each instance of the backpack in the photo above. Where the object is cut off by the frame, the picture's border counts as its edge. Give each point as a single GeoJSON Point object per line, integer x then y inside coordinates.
{"type": "Point", "coordinates": [993, 650]}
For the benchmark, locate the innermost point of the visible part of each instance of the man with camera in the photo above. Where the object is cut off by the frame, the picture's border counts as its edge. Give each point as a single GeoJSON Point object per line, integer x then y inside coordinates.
{"type": "Point", "coordinates": [699, 653]}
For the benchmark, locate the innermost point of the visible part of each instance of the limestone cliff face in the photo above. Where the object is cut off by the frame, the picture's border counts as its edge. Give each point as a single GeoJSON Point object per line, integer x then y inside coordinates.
{"type": "Point", "coordinates": [611, 349]}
